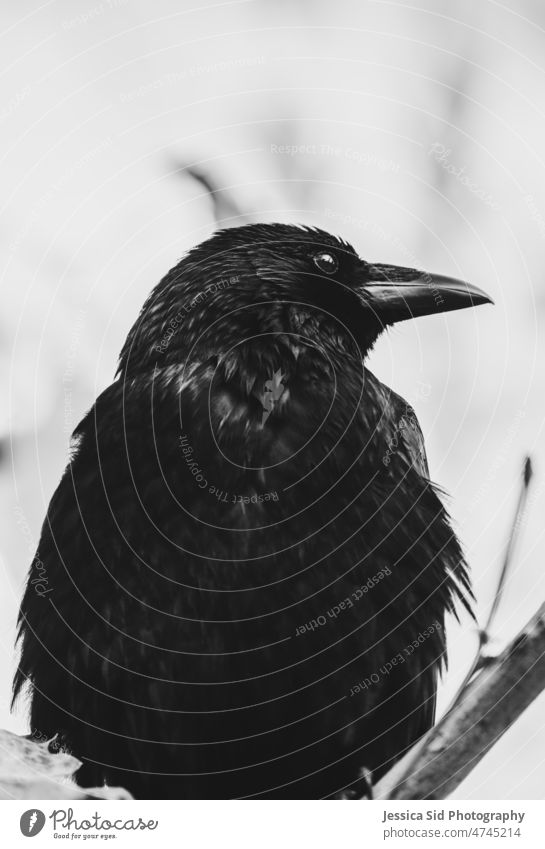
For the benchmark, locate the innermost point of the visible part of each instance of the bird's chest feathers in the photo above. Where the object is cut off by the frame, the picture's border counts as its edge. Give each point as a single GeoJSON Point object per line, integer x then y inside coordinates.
{"type": "Point", "coordinates": [288, 422]}
{"type": "Point", "coordinates": [264, 413]}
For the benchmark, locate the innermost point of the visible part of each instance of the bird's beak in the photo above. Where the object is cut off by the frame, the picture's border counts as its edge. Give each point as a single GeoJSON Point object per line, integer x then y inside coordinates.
{"type": "Point", "coordinates": [396, 294]}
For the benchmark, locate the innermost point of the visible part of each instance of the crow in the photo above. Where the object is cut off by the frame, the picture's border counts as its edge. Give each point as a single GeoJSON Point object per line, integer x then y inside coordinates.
{"type": "Point", "coordinates": [242, 580]}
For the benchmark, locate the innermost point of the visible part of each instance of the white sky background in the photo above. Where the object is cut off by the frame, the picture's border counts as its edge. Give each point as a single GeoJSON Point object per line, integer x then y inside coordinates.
{"type": "Point", "coordinates": [101, 102]}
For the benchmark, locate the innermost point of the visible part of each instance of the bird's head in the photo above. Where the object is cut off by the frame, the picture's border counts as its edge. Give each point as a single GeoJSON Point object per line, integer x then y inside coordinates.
{"type": "Point", "coordinates": [252, 286]}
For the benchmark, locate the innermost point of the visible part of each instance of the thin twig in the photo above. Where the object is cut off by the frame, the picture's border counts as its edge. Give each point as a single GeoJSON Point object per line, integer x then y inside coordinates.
{"type": "Point", "coordinates": [519, 512]}
{"type": "Point", "coordinates": [481, 658]}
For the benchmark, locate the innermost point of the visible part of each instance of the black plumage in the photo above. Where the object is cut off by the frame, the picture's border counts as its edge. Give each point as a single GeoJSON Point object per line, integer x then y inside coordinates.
{"type": "Point", "coordinates": [248, 569]}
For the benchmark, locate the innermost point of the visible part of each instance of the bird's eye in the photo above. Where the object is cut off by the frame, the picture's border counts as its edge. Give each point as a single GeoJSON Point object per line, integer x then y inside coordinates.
{"type": "Point", "coordinates": [326, 262]}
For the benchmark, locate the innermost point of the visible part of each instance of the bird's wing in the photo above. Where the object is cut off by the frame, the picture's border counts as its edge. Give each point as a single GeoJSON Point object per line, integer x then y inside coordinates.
{"type": "Point", "coordinates": [408, 432]}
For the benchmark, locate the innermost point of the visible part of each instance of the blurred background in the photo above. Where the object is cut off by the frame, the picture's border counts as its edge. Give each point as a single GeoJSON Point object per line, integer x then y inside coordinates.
{"type": "Point", "coordinates": [129, 131]}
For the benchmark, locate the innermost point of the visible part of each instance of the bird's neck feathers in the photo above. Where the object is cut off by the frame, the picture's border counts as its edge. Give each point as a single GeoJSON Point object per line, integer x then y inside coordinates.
{"type": "Point", "coordinates": [242, 353]}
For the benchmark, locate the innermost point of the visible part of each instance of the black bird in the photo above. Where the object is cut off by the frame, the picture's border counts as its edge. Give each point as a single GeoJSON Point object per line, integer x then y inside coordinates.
{"type": "Point", "coordinates": [242, 579]}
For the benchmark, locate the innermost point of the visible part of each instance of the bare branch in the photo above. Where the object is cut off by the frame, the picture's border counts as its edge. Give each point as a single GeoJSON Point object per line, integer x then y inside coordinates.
{"type": "Point", "coordinates": [492, 701]}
